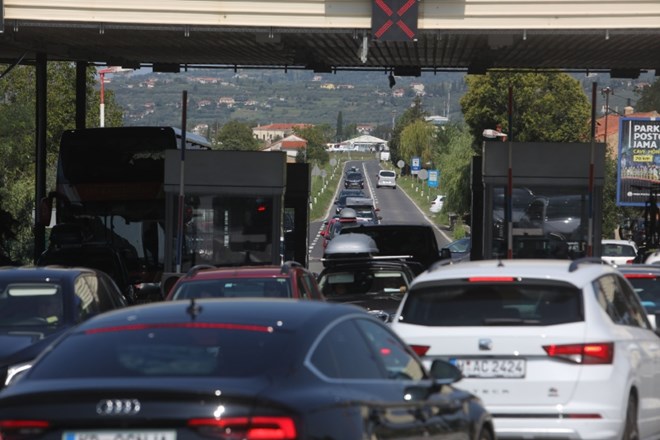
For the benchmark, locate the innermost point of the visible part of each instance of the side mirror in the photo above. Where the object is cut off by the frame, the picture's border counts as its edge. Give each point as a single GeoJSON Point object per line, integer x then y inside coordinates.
{"type": "Point", "coordinates": [445, 372]}
{"type": "Point", "coordinates": [45, 209]}
{"type": "Point", "coordinates": [445, 254]}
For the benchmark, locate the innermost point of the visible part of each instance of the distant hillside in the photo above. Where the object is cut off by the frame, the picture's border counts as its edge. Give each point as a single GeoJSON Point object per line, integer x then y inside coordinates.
{"type": "Point", "coordinates": [265, 96]}
{"type": "Point", "coordinates": [261, 97]}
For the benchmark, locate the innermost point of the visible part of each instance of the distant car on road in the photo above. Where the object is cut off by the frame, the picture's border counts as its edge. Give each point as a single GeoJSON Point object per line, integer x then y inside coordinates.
{"type": "Point", "coordinates": [340, 201]}
{"type": "Point", "coordinates": [618, 252]}
{"type": "Point", "coordinates": [354, 180]}
{"type": "Point", "coordinates": [238, 369]}
{"type": "Point", "coordinates": [386, 178]}
{"type": "Point", "coordinates": [38, 304]}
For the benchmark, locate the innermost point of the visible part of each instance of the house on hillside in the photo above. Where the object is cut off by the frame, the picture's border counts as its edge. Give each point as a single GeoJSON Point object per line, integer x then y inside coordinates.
{"type": "Point", "coordinates": [291, 145]}
{"type": "Point", "coordinates": [271, 132]}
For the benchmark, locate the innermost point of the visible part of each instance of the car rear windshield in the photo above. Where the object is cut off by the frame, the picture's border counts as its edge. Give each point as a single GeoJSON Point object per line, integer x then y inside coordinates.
{"type": "Point", "coordinates": [387, 174]}
{"type": "Point", "coordinates": [483, 304]}
{"type": "Point", "coordinates": [192, 349]}
{"type": "Point", "coordinates": [268, 287]}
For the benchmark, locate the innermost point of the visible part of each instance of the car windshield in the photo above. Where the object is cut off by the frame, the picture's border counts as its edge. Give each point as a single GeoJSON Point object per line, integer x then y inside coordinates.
{"type": "Point", "coordinates": [479, 304]}
{"type": "Point", "coordinates": [31, 304]}
{"type": "Point", "coordinates": [234, 288]}
{"type": "Point", "coordinates": [354, 176]}
{"type": "Point", "coordinates": [362, 282]}
{"type": "Point", "coordinates": [191, 349]}
{"type": "Point", "coordinates": [618, 250]}
{"type": "Point", "coordinates": [387, 174]}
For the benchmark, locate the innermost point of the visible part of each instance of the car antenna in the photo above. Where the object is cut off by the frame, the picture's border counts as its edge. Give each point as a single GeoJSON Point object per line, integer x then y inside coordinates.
{"type": "Point", "coordinates": [193, 309]}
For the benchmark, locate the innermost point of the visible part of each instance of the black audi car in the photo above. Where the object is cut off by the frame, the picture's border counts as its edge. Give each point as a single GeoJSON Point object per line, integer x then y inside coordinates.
{"type": "Point", "coordinates": [238, 369]}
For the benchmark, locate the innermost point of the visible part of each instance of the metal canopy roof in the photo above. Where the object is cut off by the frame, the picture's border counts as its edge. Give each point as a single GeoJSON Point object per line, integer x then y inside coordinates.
{"type": "Point", "coordinates": [169, 47]}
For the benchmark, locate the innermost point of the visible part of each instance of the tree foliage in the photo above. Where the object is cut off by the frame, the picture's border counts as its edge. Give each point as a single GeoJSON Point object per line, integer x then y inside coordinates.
{"type": "Point", "coordinates": [417, 140]}
{"type": "Point", "coordinates": [236, 135]}
{"type": "Point", "coordinates": [317, 136]}
{"type": "Point", "coordinates": [649, 98]}
{"type": "Point", "coordinates": [453, 159]}
{"type": "Point", "coordinates": [547, 107]}
{"type": "Point", "coordinates": [18, 143]}
{"type": "Point", "coordinates": [414, 113]}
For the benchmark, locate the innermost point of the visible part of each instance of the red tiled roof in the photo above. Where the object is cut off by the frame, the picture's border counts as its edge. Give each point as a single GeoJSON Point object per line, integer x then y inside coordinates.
{"type": "Point", "coordinates": [281, 126]}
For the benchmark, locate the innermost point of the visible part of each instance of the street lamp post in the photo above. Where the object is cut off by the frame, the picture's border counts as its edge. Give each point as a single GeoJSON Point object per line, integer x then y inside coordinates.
{"type": "Point", "coordinates": [102, 73]}
{"type": "Point", "coordinates": [606, 91]}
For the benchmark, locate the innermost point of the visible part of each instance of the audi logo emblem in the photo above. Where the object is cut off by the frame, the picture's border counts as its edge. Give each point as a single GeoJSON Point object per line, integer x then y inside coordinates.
{"type": "Point", "coordinates": [118, 407]}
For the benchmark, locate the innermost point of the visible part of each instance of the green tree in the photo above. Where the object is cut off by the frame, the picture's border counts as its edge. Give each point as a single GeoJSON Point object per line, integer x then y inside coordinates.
{"type": "Point", "coordinates": [417, 140]}
{"type": "Point", "coordinates": [649, 98]}
{"type": "Point", "coordinates": [453, 158]}
{"type": "Point", "coordinates": [235, 135]}
{"type": "Point", "coordinates": [17, 141]}
{"type": "Point", "coordinates": [340, 127]}
{"type": "Point", "coordinates": [414, 113]}
{"type": "Point", "coordinates": [547, 107]}
{"type": "Point", "coordinates": [317, 137]}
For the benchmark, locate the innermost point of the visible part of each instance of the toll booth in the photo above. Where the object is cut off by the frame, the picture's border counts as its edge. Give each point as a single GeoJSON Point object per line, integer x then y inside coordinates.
{"type": "Point", "coordinates": [554, 209]}
{"type": "Point", "coordinates": [232, 213]}
{"type": "Point", "coordinates": [296, 213]}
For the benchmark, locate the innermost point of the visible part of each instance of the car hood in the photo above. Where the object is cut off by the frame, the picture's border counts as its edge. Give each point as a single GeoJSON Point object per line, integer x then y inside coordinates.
{"type": "Point", "coordinates": [21, 344]}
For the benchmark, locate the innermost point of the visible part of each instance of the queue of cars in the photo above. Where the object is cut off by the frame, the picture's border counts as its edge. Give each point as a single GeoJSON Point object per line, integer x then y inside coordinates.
{"type": "Point", "coordinates": [394, 338]}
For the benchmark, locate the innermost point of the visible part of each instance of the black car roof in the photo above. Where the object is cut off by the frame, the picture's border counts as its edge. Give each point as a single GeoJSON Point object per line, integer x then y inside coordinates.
{"type": "Point", "coordinates": [290, 314]}
{"type": "Point", "coordinates": [21, 273]}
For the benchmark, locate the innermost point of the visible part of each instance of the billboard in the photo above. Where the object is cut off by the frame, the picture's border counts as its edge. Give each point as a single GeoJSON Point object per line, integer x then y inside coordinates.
{"type": "Point", "coordinates": [638, 171]}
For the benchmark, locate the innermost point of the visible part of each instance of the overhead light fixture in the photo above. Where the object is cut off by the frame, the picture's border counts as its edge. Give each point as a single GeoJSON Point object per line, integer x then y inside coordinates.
{"type": "Point", "coordinates": [625, 73]}
{"type": "Point", "coordinates": [391, 80]}
{"type": "Point", "coordinates": [166, 67]}
{"type": "Point", "coordinates": [408, 71]}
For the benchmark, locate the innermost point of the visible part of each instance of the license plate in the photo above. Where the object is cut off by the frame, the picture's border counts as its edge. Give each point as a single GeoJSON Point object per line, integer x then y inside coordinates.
{"type": "Point", "coordinates": [491, 368]}
{"type": "Point", "coordinates": [120, 435]}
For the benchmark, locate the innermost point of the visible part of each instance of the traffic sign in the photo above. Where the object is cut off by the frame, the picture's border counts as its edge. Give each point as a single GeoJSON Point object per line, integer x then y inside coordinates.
{"type": "Point", "coordinates": [423, 174]}
{"type": "Point", "coordinates": [400, 163]}
{"type": "Point", "coordinates": [434, 177]}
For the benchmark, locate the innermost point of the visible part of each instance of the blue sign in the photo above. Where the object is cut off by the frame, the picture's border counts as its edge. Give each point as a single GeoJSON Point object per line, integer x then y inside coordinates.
{"type": "Point", "coordinates": [434, 177]}
{"type": "Point", "coordinates": [415, 164]}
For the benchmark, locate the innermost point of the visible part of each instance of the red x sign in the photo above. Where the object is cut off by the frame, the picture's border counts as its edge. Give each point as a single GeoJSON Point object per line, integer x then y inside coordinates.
{"type": "Point", "coordinates": [394, 20]}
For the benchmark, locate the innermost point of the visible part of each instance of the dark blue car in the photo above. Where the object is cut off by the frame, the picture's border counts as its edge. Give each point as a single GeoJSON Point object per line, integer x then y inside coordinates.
{"type": "Point", "coordinates": [39, 304]}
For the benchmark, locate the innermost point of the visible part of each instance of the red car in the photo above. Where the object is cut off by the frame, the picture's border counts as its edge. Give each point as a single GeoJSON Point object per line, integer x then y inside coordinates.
{"type": "Point", "coordinates": [291, 280]}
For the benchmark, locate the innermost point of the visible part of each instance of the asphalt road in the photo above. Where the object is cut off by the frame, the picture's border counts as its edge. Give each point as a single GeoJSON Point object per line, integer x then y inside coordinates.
{"type": "Point", "coordinates": [394, 204]}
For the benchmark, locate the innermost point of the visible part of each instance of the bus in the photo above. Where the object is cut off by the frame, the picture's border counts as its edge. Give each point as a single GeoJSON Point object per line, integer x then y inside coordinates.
{"type": "Point", "coordinates": [111, 188]}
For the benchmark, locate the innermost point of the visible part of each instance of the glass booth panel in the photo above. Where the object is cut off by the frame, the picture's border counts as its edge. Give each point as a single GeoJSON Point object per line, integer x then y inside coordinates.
{"type": "Point", "coordinates": [547, 221]}
{"type": "Point", "coordinates": [226, 230]}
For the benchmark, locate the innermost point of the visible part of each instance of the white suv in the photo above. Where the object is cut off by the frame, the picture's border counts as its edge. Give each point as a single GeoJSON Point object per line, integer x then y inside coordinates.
{"type": "Point", "coordinates": [556, 349]}
{"type": "Point", "coordinates": [386, 178]}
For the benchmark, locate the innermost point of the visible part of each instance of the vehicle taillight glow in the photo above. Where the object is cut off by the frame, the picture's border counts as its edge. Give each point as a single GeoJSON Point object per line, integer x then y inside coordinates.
{"type": "Point", "coordinates": [639, 275]}
{"type": "Point", "coordinates": [20, 429]}
{"type": "Point", "coordinates": [421, 350]}
{"type": "Point", "coordinates": [491, 279]}
{"type": "Point", "coordinates": [248, 428]}
{"type": "Point", "coordinates": [202, 325]}
{"type": "Point", "coordinates": [586, 354]}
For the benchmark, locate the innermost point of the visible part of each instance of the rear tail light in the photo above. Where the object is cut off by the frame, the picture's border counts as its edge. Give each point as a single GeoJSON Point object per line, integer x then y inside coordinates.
{"type": "Point", "coordinates": [585, 354]}
{"type": "Point", "coordinates": [20, 429]}
{"type": "Point", "coordinates": [420, 349]}
{"type": "Point", "coordinates": [247, 428]}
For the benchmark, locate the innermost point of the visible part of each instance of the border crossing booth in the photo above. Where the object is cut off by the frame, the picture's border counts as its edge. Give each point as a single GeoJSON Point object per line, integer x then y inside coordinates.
{"type": "Point", "coordinates": [555, 205]}
{"type": "Point", "coordinates": [232, 212]}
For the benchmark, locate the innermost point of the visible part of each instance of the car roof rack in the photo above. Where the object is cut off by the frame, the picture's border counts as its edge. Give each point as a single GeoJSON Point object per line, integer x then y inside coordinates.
{"type": "Point", "coordinates": [193, 270]}
{"type": "Point", "coordinates": [575, 264]}
{"type": "Point", "coordinates": [287, 265]}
